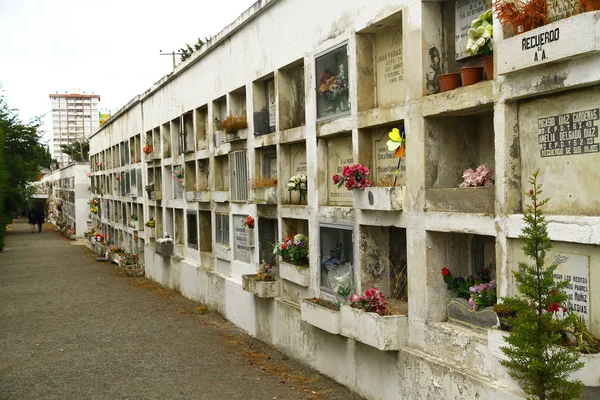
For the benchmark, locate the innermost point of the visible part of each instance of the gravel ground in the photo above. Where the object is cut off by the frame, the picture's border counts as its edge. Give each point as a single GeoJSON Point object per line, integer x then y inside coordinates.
{"type": "Point", "coordinates": [74, 328]}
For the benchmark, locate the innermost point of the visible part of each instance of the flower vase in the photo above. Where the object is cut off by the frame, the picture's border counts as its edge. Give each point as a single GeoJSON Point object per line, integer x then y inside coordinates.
{"type": "Point", "coordinates": [297, 197]}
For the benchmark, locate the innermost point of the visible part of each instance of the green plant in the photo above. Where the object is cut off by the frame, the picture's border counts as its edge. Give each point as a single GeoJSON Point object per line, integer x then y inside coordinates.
{"type": "Point", "coordinates": [151, 223]}
{"type": "Point", "coordinates": [294, 249]}
{"type": "Point", "coordinates": [535, 357]}
{"type": "Point", "coordinates": [480, 35]}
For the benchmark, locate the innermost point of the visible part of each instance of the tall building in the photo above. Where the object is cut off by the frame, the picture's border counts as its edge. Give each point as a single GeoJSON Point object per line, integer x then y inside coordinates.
{"type": "Point", "coordinates": [74, 117]}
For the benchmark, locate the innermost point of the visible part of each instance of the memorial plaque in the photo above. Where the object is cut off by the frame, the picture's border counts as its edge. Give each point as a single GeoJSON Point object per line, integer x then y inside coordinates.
{"type": "Point", "coordinates": [240, 240]}
{"type": "Point", "coordinates": [465, 12]}
{"type": "Point", "coordinates": [384, 162]}
{"type": "Point", "coordinates": [270, 89]}
{"type": "Point", "coordinates": [559, 136]}
{"type": "Point", "coordinates": [576, 269]}
{"type": "Point", "coordinates": [569, 134]}
{"type": "Point", "coordinates": [298, 159]}
{"type": "Point", "coordinates": [389, 65]}
{"type": "Point", "coordinates": [339, 154]}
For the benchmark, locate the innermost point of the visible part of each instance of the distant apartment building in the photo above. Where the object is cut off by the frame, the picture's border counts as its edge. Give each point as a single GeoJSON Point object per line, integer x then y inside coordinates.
{"type": "Point", "coordinates": [74, 117]}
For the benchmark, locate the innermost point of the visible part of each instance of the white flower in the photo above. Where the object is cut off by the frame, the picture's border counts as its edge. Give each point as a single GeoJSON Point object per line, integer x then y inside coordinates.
{"type": "Point", "coordinates": [303, 186]}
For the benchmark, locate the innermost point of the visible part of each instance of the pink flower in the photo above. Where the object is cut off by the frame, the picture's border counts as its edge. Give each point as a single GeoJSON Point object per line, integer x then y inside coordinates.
{"type": "Point", "coordinates": [336, 179]}
{"type": "Point", "coordinates": [353, 298]}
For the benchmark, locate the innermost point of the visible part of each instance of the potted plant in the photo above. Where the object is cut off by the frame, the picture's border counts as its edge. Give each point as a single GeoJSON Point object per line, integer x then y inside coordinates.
{"type": "Point", "coordinates": [472, 300]}
{"type": "Point", "coordinates": [367, 319]}
{"type": "Point", "coordinates": [263, 284]}
{"type": "Point", "coordinates": [294, 265]}
{"type": "Point", "coordinates": [164, 246]}
{"type": "Point", "coordinates": [298, 183]}
{"type": "Point", "coordinates": [449, 81]}
{"type": "Point", "coordinates": [480, 41]}
{"type": "Point", "coordinates": [233, 124]}
{"type": "Point", "coordinates": [518, 16]}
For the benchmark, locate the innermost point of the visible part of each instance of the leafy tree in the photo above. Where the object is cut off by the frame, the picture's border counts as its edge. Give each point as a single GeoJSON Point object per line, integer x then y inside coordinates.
{"type": "Point", "coordinates": [78, 151]}
{"type": "Point", "coordinates": [187, 50]}
{"type": "Point", "coordinates": [535, 356]}
{"type": "Point", "coordinates": [21, 157]}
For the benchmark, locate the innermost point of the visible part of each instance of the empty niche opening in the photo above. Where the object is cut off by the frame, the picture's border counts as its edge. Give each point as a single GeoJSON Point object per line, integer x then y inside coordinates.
{"type": "Point", "coordinates": [203, 176]}
{"type": "Point", "coordinates": [177, 136]}
{"type": "Point", "coordinates": [201, 124]}
{"type": "Point", "coordinates": [222, 173]}
{"type": "Point", "coordinates": [386, 169]}
{"type": "Point", "coordinates": [192, 229]}
{"type": "Point", "coordinates": [205, 232]}
{"type": "Point", "coordinates": [380, 61]}
{"type": "Point", "coordinates": [219, 114]}
{"type": "Point", "coordinates": [383, 253]}
{"type": "Point", "coordinates": [166, 140]}
{"type": "Point", "coordinates": [191, 183]}
{"type": "Point", "coordinates": [264, 102]}
{"type": "Point", "coordinates": [188, 132]}
{"type": "Point", "coordinates": [290, 87]}
{"type": "Point", "coordinates": [179, 227]}
{"type": "Point", "coordinates": [267, 238]}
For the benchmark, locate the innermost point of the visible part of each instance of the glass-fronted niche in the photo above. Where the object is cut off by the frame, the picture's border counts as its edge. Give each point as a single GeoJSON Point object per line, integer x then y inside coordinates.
{"type": "Point", "coordinates": [337, 256]}
{"type": "Point", "coordinates": [332, 83]}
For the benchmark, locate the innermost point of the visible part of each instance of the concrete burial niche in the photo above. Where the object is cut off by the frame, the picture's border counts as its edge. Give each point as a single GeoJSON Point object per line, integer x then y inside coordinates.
{"type": "Point", "coordinates": [453, 145]}
{"type": "Point", "coordinates": [560, 134]}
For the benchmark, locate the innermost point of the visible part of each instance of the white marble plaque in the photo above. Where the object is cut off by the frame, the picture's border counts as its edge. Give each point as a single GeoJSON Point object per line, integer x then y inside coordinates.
{"type": "Point", "coordinates": [576, 269]}
{"type": "Point", "coordinates": [339, 154]}
{"type": "Point", "coordinates": [240, 240]}
{"type": "Point", "coordinates": [466, 11]}
{"type": "Point", "coordinates": [389, 65]}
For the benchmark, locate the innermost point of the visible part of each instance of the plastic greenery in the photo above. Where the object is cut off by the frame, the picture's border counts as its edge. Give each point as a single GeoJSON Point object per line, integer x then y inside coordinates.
{"type": "Point", "coordinates": [536, 358]}
{"type": "Point", "coordinates": [480, 35]}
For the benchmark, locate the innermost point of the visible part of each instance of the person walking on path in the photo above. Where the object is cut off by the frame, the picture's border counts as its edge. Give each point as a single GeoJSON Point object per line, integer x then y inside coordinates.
{"type": "Point", "coordinates": [39, 219]}
{"type": "Point", "coordinates": [32, 220]}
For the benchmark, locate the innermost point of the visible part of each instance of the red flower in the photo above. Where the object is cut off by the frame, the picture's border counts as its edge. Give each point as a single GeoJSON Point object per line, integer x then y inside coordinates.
{"type": "Point", "coordinates": [554, 307]}
{"type": "Point", "coordinates": [336, 179]}
{"type": "Point", "coordinates": [445, 271]}
{"type": "Point", "coordinates": [283, 246]}
{"type": "Point", "coordinates": [564, 309]}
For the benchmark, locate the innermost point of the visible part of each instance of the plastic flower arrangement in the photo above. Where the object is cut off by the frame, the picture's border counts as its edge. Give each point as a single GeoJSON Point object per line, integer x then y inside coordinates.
{"type": "Point", "coordinates": [479, 293]}
{"type": "Point", "coordinates": [116, 249]}
{"type": "Point", "coordinates": [151, 223]}
{"type": "Point", "coordinates": [265, 273]}
{"type": "Point", "coordinates": [334, 259]}
{"type": "Point", "coordinates": [482, 176]}
{"type": "Point", "coordinates": [70, 232]}
{"type": "Point", "coordinates": [332, 86]}
{"type": "Point", "coordinates": [233, 124]}
{"type": "Point", "coordinates": [134, 217]}
{"type": "Point", "coordinates": [148, 148]}
{"type": "Point", "coordinates": [480, 35]}
{"type": "Point", "coordinates": [129, 259]}
{"type": "Point", "coordinates": [294, 249]}
{"type": "Point", "coordinates": [353, 177]}
{"type": "Point", "coordinates": [178, 175]}
{"type": "Point", "coordinates": [372, 301]}
{"type": "Point", "coordinates": [483, 295]}
{"type": "Point", "coordinates": [99, 238]}
{"type": "Point", "coordinates": [297, 182]}
{"type": "Point", "coordinates": [249, 222]}
{"type": "Point", "coordinates": [165, 239]}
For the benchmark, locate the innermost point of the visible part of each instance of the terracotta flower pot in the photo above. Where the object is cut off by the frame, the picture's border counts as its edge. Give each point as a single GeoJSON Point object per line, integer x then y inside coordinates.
{"type": "Point", "coordinates": [488, 66]}
{"type": "Point", "coordinates": [449, 81]}
{"type": "Point", "coordinates": [471, 75]}
{"type": "Point", "coordinates": [590, 5]}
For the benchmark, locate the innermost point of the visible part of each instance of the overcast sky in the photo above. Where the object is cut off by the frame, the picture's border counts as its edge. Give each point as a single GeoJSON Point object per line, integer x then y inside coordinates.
{"type": "Point", "coordinates": [110, 48]}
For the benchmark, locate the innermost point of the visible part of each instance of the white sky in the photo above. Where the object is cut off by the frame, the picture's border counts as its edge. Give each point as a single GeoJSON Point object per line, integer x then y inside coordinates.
{"type": "Point", "coordinates": [110, 48]}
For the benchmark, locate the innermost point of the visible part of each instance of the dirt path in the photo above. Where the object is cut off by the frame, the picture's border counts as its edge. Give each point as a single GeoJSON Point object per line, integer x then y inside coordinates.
{"type": "Point", "coordinates": [74, 328]}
